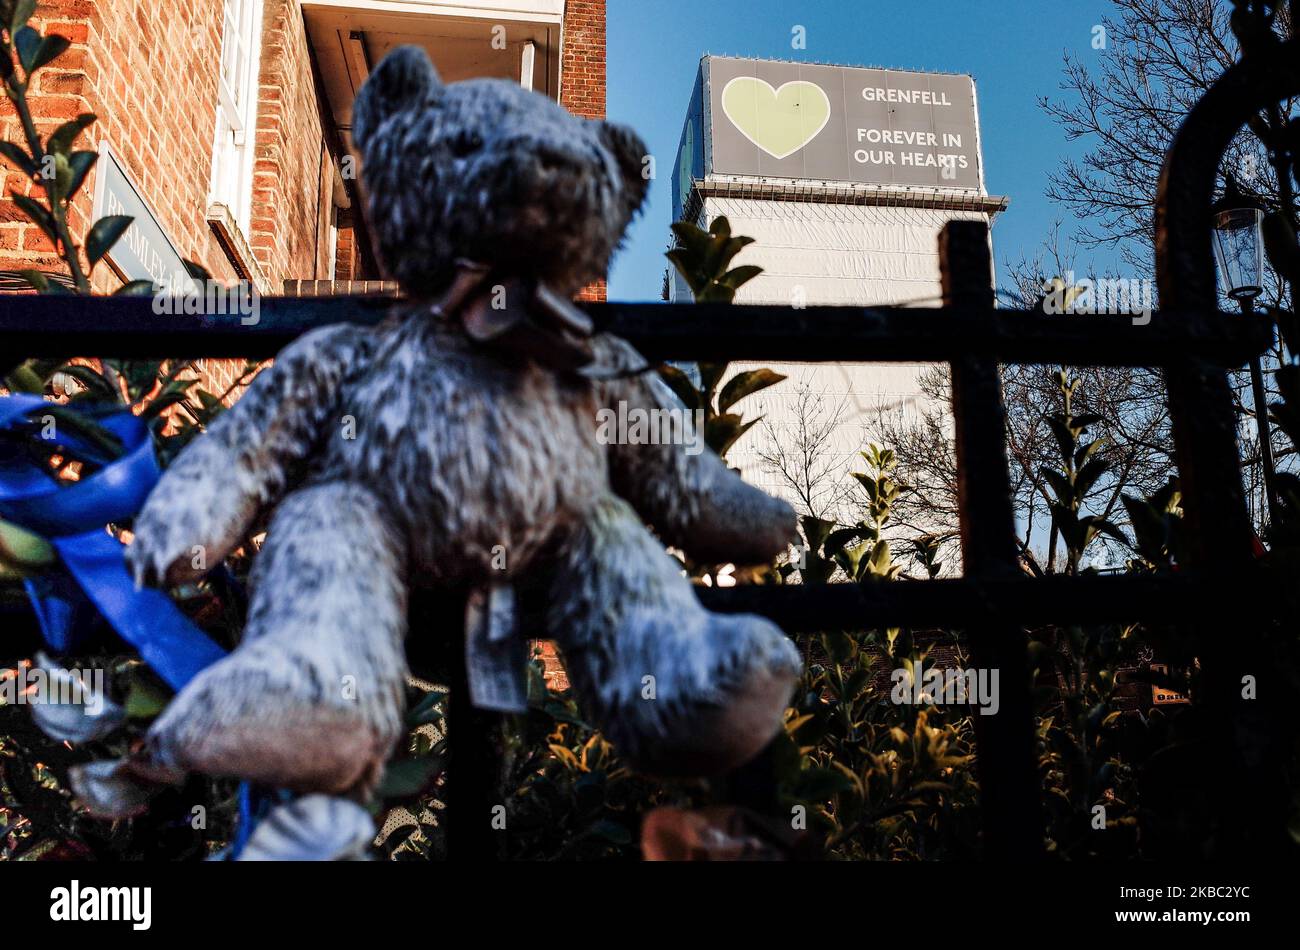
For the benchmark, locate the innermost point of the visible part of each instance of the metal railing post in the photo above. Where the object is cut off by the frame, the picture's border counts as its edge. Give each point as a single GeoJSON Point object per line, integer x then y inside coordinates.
{"type": "Point", "coordinates": [1006, 756]}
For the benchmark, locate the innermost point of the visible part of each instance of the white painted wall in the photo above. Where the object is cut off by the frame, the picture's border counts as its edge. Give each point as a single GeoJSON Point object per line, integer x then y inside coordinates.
{"type": "Point", "coordinates": [832, 254]}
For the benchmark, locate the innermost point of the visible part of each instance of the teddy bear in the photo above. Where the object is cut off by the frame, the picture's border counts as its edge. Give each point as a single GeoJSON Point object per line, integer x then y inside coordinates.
{"type": "Point", "coordinates": [454, 446]}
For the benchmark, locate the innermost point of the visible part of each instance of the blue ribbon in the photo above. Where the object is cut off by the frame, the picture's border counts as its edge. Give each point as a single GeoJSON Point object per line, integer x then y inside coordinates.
{"type": "Point", "coordinates": [73, 518]}
{"type": "Point", "coordinates": [95, 581]}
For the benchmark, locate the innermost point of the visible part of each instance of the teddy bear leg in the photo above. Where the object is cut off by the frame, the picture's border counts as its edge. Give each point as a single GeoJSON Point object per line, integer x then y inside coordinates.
{"type": "Point", "coordinates": [312, 700]}
{"type": "Point", "coordinates": [680, 691]}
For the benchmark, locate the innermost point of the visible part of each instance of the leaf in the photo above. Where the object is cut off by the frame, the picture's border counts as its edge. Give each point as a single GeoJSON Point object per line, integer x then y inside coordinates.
{"type": "Point", "coordinates": [62, 178]}
{"type": "Point", "coordinates": [746, 384]}
{"type": "Point", "coordinates": [26, 42]}
{"type": "Point", "coordinates": [1065, 439]}
{"type": "Point", "coordinates": [18, 155]}
{"type": "Point", "coordinates": [140, 375]}
{"type": "Point", "coordinates": [858, 683]}
{"type": "Point", "coordinates": [61, 139]}
{"type": "Point", "coordinates": [1167, 497]}
{"type": "Point", "coordinates": [145, 699]}
{"type": "Point", "coordinates": [103, 445]}
{"type": "Point", "coordinates": [611, 831]}
{"type": "Point", "coordinates": [815, 530]}
{"type": "Point", "coordinates": [850, 558]}
{"type": "Point", "coordinates": [51, 48]}
{"type": "Point", "coordinates": [23, 551]}
{"type": "Point", "coordinates": [1149, 528]}
{"type": "Point", "coordinates": [161, 403]}
{"type": "Point", "coordinates": [25, 379]}
{"type": "Point", "coordinates": [1060, 485]}
{"type": "Point", "coordinates": [39, 282]}
{"type": "Point", "coordinates": [694, 240]}
{"type": "Point", "coordinates": [1088, 475]}
{"type": "Point", "coordinates": [722, 432]}
{"type": "Point", "coordinates": [881, 559]}
{"type": "Point", "coordinates": [1108, 528]}
{"type": "Point", "coordinates": [1085, 421]}
{"type": "Point", "coordinates": [104, 234]}
{"type": "Point", "coordinates": [737, 276]}
{"type": "Point", "coordinates": [681, 261]}
{"type": "Point", "coordinates": [38, 214]}
{"type": "Point", "coordinates": [702, 258]}
{"type": "Point", "coordinates": [140, 383]}
{"type": "Point", "coordinates": [868, 483]}
{"type": "Point", "coordinates": [80, 163]}
{"type": "Point", "coordinates": [197, 271]}
{"type": "Point", "coordinates": [819, 784]}
{"type": "Point", "coordinates": [836, 540]}
{"type": "Point", "coordinates": [21, 12]}
{"type": "Point", "coordinates": [34, 50]}
{"type": "Point", "coordinates": [680, 383]}
{"type": "Point", "coordinates": [136, 288]}
{"type": "Point", "coordinates": [427, 710]}
{"type": "Point", "coordinates": [715, 292]}
{"type": "Point", "coordinates": [710, 375]}
{"type": "Point", "coordinates": [1085, 452]}
{"type": "Point", "coordinates": [408, 777]}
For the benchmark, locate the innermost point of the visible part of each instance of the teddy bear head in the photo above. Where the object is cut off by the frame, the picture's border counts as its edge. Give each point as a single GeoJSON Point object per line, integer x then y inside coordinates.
{"type": "Point", "coordinates": [487, 171]}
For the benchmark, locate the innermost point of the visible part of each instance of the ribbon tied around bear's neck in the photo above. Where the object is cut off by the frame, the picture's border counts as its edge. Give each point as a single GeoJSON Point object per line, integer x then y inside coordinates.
{"type": "Point", "coordinates": [525, 318]}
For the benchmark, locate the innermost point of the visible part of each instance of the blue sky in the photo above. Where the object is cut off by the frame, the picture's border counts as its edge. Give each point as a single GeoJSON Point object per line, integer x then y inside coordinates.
{"type": "Point", "coordinates": [1013, 48]}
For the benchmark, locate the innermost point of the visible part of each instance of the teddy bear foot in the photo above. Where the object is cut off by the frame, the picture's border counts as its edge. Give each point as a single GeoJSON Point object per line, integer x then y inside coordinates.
{"type": "Point", "coordinates": [312, 828]}
{"type": "Point", "coordinates": [702, 695]}
{"type": "Point", "coordinates": [723, 736]}
{"type": "Point", "coordinates": [755, 668]}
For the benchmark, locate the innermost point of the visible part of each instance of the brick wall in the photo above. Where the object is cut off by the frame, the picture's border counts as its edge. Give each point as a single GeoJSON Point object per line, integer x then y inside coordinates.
{"type": "Point", "coordinates": [149, 70]}
{"type": "Point", "coordinates": [582, 75]}
{"type": "Point", "coordinates": [292, 170]}
{"type": "Point", "coordinates": [345, 254]}
{"type": "Point", "coordinates": [582, 59]}
{"type": "Point", "coordinates": [131, 61]}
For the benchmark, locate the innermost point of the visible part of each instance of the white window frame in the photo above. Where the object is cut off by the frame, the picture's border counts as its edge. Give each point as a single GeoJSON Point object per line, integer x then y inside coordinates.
{"type": "Point", "coordinates": [238, 71]}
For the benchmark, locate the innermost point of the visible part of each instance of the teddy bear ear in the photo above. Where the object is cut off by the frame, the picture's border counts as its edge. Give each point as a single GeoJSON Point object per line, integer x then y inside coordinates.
{"type": "Point", "coordinates": [405, 79]}
{"type": "Point", "coordinates": [630, 153]}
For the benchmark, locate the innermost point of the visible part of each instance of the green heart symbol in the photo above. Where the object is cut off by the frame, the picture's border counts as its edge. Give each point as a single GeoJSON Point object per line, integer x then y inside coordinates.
{"type": "Point", "coordinates": [779, 121]}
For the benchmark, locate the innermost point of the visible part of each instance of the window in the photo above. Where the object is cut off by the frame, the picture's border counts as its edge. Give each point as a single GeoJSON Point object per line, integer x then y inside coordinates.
{"type": "Point", "coordinates": [232, 165]}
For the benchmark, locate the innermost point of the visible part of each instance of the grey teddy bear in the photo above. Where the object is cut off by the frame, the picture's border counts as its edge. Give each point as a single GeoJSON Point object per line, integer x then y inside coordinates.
{"type": "Point", "coordinates": [411, 454]}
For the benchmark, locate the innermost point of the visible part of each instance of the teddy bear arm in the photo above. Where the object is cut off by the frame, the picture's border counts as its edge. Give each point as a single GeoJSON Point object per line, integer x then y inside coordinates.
{"type": "Point", "coordinates": [699, 505]}
{"type": "Point", "coordinates": [688, 494]}
{"type": "Point", "coordinates": [214, 491]}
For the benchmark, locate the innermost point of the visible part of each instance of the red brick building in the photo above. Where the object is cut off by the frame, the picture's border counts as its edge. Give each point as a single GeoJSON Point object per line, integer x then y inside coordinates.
{"type": "Point", "coordinates": [223, 124]}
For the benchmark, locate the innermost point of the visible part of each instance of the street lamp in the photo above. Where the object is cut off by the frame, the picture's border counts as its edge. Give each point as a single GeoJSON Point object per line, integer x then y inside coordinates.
{"type": "Point", "coordinates": [1239, 252]}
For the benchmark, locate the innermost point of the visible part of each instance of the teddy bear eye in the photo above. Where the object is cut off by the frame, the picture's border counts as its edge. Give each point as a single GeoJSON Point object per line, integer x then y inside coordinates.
{"type": "Point", "coordinates": [464, 143]}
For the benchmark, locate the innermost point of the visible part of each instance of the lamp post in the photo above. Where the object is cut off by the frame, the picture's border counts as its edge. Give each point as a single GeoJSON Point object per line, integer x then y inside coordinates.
{"type": "Point", "coordinates": [1239, 253]}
